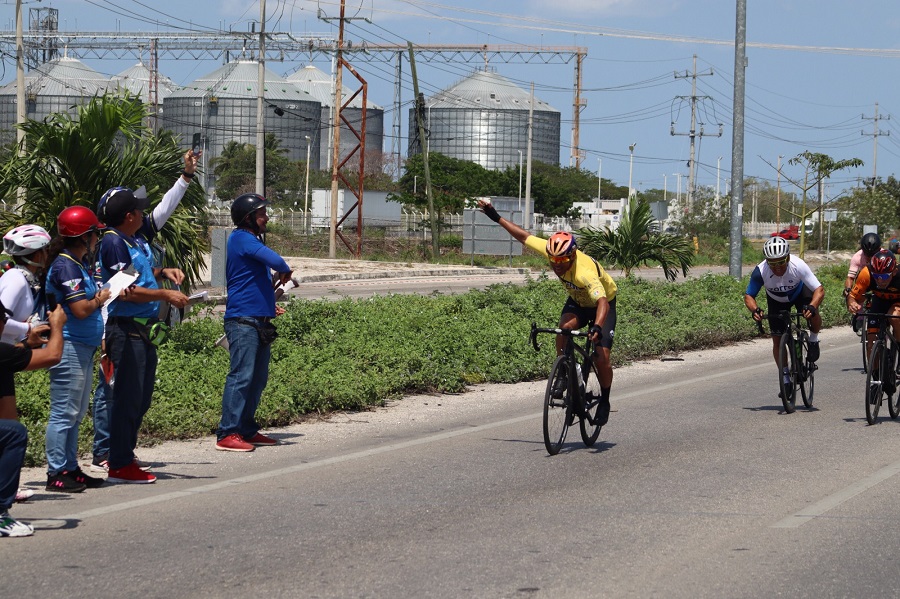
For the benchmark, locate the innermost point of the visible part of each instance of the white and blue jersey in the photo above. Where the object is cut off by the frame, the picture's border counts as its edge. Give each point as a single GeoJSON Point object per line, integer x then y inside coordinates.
{"type": "Point", "coordinates": [786, 288]}
{"type": "Point", "coordinates": [119, 251]}
{"type": "Point", "coordinates": [70, 280]}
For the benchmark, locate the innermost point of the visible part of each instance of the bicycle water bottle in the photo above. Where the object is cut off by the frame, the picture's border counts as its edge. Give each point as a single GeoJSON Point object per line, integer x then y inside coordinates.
{"type": "Point", "coordinates": [580, 378]}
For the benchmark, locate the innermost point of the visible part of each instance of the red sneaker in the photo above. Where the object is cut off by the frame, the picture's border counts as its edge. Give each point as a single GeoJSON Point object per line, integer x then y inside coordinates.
{"type": "Point", "coordinates": [260, 439]}
{"type": "Point", "coordinates": [130, 474]}
{"type": "Point", "coordinates": [233, 442]}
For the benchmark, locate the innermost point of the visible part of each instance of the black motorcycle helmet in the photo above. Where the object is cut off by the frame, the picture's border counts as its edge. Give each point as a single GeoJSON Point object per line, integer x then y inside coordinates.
{"type": "Point", "coordinates": [870, 243]}
{"type": "Point", "coordinates": [245, 205]}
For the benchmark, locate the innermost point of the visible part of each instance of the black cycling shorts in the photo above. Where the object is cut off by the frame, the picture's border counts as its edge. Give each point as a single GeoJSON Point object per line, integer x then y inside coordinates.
{"type": "Point", "coordinates": [586, 315]}
{"type": "Point", "coordinates": [773, 307]}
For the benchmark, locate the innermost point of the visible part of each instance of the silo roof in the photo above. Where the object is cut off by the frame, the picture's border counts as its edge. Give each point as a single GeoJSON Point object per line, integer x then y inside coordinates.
{"type": "Point", "coordinates": [485, 89]}
{"type": "Point", "coordinates": [239, 79]}
{"type": "Point", "coordinates": [62, 76]}
{"type": "Point", "coordinates": [317, 83]}
{"type": "Point", "coordinates": [136, 80]}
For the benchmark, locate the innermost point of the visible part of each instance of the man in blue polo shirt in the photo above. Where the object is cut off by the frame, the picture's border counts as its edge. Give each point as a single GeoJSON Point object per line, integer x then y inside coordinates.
{"type": "Point", "coordinates": [249, 311]}
{"type": "Point", "coordinates": [126, 247]}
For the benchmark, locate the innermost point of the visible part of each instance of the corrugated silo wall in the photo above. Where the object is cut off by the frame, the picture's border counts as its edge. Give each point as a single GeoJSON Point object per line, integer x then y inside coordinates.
{"type": "Point", "coordinates": [491, 138]}
{"type": "Point", "coordinates": [234, 119]}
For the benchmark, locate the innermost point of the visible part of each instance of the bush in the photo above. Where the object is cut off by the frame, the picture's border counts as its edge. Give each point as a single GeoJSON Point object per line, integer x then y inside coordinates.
{"type": "Point", "coordinates": [353, 354]}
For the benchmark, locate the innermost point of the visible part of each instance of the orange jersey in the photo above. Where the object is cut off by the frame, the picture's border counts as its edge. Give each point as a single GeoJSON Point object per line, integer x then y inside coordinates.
{"type": "Point", "coordinates": [865, 282]}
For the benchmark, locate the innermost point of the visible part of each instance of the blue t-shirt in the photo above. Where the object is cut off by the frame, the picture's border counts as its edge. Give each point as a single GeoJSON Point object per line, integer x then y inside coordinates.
{"type": "Point", "coordinates": [119, 251]}
{"type": "Point", "coordinates": [70, 280]}
{"type": "Point", "coordinates": [247, 274]}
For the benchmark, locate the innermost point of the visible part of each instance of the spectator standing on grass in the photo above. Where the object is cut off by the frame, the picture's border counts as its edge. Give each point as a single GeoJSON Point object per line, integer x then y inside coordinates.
{"type": "Point", "coordinates": [13, 434]}
{"type": "Point", "coordinates": [102, 410]}
{"type": "Point", "coordinates": [22, 292]}
{"type": "Point", "coordinates": [132, 327]}
{"type": "Point", "coordinates": [71, 282]}
{"type": "Point", "coordinates": [249, 311]}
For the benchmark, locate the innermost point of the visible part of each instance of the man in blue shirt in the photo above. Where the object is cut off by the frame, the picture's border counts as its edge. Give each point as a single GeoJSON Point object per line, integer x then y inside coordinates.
{"type": "Point", "coordinates": [126, 247]}
{"type": "Point", "coordinates": [249, 311]}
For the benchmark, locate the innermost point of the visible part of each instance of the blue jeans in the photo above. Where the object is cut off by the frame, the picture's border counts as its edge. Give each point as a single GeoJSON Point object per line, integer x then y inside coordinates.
{"type": "Point", "coordinates": [134, 366]}
{"type": "Point", "coordinates": [245, 382]}
{"type": "Point", "coordinates": [70, 393]}
{"type": "Point", "coordinates": [102, 415]}
{"type": "Point", "coordinates": [13, 442]}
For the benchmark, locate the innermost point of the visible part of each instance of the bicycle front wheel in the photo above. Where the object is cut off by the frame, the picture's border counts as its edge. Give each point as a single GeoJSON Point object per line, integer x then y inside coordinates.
{"type": "Point", "coordinates": [805, 371]}
{"type": "Point", "coordinates": [557, 404]}
{"type": "Point", "coordinates": [594, 410]}
{"type": "Point", "coordinates": [787, 372]}
{"type": "Point", "coordinates": [875, 380]}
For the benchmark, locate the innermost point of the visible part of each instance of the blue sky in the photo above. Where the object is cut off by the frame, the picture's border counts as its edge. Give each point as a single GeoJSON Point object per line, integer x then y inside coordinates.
{"type": "Point", "coordinates": [816, 67]}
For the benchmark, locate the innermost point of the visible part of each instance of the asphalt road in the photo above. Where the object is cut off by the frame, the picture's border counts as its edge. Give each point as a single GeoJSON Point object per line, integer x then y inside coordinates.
{"type": "Point", "coordinates": [699, 487]}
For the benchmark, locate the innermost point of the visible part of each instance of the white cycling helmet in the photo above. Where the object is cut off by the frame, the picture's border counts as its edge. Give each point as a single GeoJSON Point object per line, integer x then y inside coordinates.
{"type": "Point", "coordinates": [25, 240]}
{"type": "Point", "coordinates": [776, 248]}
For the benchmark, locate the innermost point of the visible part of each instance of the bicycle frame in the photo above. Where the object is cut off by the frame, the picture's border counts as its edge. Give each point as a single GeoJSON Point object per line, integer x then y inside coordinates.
{"type": "Point", "coordinates": [795, 369]}
{"type": "Point", "coordinates": [587, 354]}
{"type": "Point", "coordinates": [882, 373]}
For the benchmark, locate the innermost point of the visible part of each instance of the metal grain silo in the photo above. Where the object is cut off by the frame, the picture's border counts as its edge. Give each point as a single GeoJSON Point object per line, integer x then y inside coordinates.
{"type": "Point", "coordinates": [221, 106]}
{"type": "Point", "coordinates": [55, 86]}
{"type": "Point", "coordinates": [484, 119]}
{"type": "Point", "coordinates": [318, 84]}
{"type": "Point", "coordinates": [138, 81]}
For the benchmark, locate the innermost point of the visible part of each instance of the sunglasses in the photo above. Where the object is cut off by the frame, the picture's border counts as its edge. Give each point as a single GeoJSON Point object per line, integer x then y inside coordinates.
{"type": "Point", "coordinates": [780, 262]}
{"type": "Point", "coordinates": [560, 259]}
{"type": "Point", "coordinates": [882, 277]}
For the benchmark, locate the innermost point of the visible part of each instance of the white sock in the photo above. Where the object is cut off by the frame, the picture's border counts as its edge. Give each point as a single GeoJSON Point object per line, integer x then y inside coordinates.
{"type": "Point", "coordinates": [813, 337]}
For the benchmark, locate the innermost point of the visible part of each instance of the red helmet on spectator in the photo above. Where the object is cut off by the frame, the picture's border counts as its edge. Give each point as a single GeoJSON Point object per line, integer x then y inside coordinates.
{"type": "Point", "coordinates": [75, 221]}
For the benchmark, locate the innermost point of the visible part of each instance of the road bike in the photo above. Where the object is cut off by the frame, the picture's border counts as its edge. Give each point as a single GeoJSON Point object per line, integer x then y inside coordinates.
{"type": "Point", "coordinates": [882, 376]}
{"type": "Point", "coordinates": [573, 391]}
{"type": "Point", "coordinates": [859, 324]}
{"type": "Point", "coordinates": [795, 371]}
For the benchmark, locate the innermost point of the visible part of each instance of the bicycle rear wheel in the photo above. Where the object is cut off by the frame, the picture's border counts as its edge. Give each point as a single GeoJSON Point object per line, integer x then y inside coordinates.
{"type": "Point", "coordinates": [805, 371]}
{"type": "Point", "coordinates": [787, 381]}
{"type": "Point", "coordinates": [590, 422]}
{"type": "Point", "coordinates": [875, 380]}
{"type": "Point", "coordinates": [556, 409]}
{"type": "Point", "coordinates": [893, 399]}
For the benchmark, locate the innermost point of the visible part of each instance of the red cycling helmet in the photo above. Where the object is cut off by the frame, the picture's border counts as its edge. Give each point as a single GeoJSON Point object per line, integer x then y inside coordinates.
{"type": "Point", "coordinates": [561, 246]}
{"type": "Point", "coordinates": [75, 221]}
{"type": "Point", "coordinates": [883, 262]}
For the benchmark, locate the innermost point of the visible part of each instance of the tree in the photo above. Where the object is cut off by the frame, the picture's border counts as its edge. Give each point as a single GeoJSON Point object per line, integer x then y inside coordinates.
{"type": "Point", "coordinates": [235, 170]}
{"type": "Point", "coordinates": [73, 160]}
{"type": "Point", "coordinates": [634, 244]}
{"type": "Point", "coordinates": [822, 166]}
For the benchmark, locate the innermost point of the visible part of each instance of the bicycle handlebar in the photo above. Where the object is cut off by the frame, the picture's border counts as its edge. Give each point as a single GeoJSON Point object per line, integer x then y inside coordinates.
{"type": "Point", "coordinates": [569, 332]}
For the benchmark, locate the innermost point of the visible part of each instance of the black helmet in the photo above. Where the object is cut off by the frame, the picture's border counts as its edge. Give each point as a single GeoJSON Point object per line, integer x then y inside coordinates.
{"type": "Point", "coordinates": [244, 205]}
{"type": "Point", "coordinates": [870, 243]}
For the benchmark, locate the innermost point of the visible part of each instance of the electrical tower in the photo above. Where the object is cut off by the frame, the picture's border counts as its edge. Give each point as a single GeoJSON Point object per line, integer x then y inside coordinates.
{"type": "Point", "coordinates": [693, 133]}
{"type": "Point", "coordinates": [875, 133]}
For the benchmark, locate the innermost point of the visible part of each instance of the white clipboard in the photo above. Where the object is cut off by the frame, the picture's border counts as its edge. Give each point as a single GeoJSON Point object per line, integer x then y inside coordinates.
{"type": "Point", "coordinates": [119, 282]}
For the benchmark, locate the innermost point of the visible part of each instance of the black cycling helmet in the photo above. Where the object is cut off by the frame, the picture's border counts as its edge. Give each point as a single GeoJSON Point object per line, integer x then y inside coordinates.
{"type": "Point", "coordinates": [245, 205]}
{"type": "Point", "coordinates": [870, 243]}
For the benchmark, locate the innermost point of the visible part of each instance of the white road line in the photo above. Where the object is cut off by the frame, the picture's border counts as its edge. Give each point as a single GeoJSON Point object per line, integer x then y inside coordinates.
{"type": "Point", "coordinates": [832, 501]}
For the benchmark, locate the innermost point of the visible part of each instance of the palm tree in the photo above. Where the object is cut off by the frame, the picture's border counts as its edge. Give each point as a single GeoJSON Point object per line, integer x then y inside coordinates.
{"type": "Point", "coordinates": [635, 243]}
{"type": "Point", "coordinates": [71, 161]}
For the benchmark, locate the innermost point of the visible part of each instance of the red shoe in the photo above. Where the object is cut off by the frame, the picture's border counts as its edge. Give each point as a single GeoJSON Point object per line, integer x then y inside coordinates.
{"type": "Point", "coordinates": [130, 474]}
{"type": "Point", "coordinates": [233, 442]}
{"type": "Point", "coordinates": [260, 439]}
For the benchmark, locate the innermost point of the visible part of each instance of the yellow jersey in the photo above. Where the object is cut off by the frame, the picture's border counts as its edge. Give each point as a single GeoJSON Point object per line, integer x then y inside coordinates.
{"type": "Point", "coordinates": [586, 281]}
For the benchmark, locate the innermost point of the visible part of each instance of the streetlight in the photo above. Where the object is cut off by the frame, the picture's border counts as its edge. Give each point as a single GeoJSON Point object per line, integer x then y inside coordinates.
{"type": "Point", "coordinates": [306, 192]}
{"type": "Point", "coordinates": [665, 188]}
{"type": "Point", "coordinates": [678, 192]}
{"type": "Point", "coordinates": [520, 178]}
{"type": "Point", "coordinates": [631, 169]}
{"type": "Point", "coordinates": [599, 180]}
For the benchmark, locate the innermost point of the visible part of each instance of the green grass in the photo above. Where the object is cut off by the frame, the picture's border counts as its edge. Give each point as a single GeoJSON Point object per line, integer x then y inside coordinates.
{"type": "Point", "coordinates": [356, 353]}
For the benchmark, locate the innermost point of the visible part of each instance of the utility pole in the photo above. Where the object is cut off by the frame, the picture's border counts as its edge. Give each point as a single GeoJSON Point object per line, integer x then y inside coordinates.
{"type": "Point", "coordinates": [693, 133]}
{"type": "Point", "coordinates": [527, 215]}
{"type": "Point", "coordinates": [737, 138]}
{"type": "Point", "coordinates": [778, 197]}
{"type": "Point", "coordinates": [261, 105]}
{"type": "Point", "coordinates": [579, 105]}
{"type": "Point", "coordinates": [423, 143]}
{"type": "Point", "coordinates": [875, 133]}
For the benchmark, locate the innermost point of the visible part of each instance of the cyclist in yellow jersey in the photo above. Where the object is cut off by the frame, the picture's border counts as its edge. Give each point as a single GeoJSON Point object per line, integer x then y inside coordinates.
{"type": "Point", "coordinates": [592, 295]}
